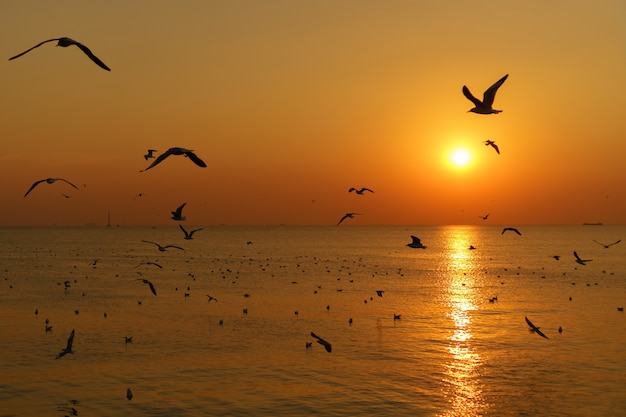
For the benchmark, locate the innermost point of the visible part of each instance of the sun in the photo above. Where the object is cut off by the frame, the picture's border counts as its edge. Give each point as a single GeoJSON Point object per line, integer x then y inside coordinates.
{"type": "Point", "coordinates": [460, 157]}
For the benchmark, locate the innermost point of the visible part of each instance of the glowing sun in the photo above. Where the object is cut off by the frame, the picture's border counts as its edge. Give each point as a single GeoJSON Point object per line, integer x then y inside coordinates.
{"type": "Point", "coordinates": [460, 157]}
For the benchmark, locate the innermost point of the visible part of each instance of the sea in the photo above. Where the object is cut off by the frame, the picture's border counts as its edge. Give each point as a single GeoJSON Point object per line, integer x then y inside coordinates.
{"type": "Point", "coordinates": [439, 331]}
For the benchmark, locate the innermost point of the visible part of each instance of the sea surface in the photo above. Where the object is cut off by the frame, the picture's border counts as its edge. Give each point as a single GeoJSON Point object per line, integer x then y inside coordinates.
{"type": "Point", "coordinates": [461, 346]}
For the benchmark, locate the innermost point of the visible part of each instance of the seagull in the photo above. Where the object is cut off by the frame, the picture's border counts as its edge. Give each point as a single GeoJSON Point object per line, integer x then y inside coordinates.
{"type": "Point", "coordinates": [493, 145]}
{"type": "Point", "coordinates": [322, 342]}
{"type": "Point", "coordinates": [485, 217]}
{"type": "Point", "coordinates": [380, 292]}
{"type": "Point", "coordinates": [188, 235]}
{"type": "Point", "coordinates": [556, 257]}
{"type": "Point", "coordinates": [610, 244]}
{"type": "Point", "coordinates": [361, 191]}
{"type": "Point", "coordinates": [484, 107]}
{"type": "Point", "coordinates": [149, 154]}
{"type": "Point", "coordinates": [177, 151]}
{"type": "Point", "coordinates": [512, 229]}
{"type": "Point", "coordinates": [65, 42]}
{"type": "Point", "coordinates": [396, 316]}
{"type": "Point", "coordinates": [178, 214]}
{"type": "Point", "coordinates": [416, 243]}
{"type": "Point", "coordinates": [150, 263]}
{"type": "Point", "coordinates": [210, 298]}
{"type": "Point", "coordinates": [346, 216]}
{"type": "Point", "coordinates": [49, 181]}
{"type": "Point", "coordinates": [68, 348]}
{"type": "Point", "coordinates": [163, 248]}
{"type": "Point", "coordinates": [129, 394]}
{"type": "Point", "coordinates": [581, 261]}
{"type": "Point", "coordinates": [145, 281]}
{"type": "Point", "coordinates": [128, 339]}
{"type": "Point", "coordinates": [535, 329]}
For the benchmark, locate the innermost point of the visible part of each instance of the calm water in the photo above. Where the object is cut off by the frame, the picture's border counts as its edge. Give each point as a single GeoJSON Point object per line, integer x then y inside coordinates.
{"type": "Point", "coordinates": [452, 353]}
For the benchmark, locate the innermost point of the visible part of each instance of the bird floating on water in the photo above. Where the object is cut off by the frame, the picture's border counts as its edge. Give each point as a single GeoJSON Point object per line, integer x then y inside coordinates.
{"type": "Point", "coordinates": [323, 342]}
{"type": "Point", "coordinates": [606, 246]}
{"type": "Point", "coordinates": [68, 347]}
{"type": "Point", "coordinates": [380, 293]}
{"type": "Point", "coordinates": [581, 261]}
{"type": "Point", "coordinates": [512, 229]}
{"type": "Point", "coordinates": [493, 145]}
{"type": "Point", "coordinates": [348, 216]}
{"type": "Point", "coordinates": [360, 191]}
{"type": "Point", "coordinates": [48, 181]}
{"type": "Point", "coordinates": [485, 106]}
{"type": "Point", "coordinates": [178, 213]}
{"type": "Point", "coordinates": [149, 154]}
{"type": "Point", "coordinates": [177, 151]}
{"type": "Point", "coordinates": [129, 394]}
{"type": "Point", "coordinates": [188, 235]}
{"type": "Point", "coordinates": [65, 42]}
{"type": "Point", "coordinates": [535, 329]}
{"type": "Point", "coordinates": [163, 248]}
{"type": "Point", "coordinates": [416, 243]}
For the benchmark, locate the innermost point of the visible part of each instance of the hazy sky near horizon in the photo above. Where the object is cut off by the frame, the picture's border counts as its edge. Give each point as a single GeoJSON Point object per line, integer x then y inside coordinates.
{"type": "Point", "coordinates": [291, 103]}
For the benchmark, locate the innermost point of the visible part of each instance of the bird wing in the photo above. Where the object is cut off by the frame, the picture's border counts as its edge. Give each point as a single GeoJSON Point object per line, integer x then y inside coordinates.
{"type": "Point", "coordinates": [193, 231]}
{"type": "Point", "coordinates": [490, 93]}
{"type": "Point", "coordinates": [183, 229]}
{"type": "Point", "coordinates": [92, 56]}
{"type": "Point", "coordinates": [68, 182]}
{"type": "Point", "coordinates": [416, 240]}
{"type": "Point", "coordinates": [151, 286]}
{"type": "Point", "coordinates": [342, 219]}
{"type": "Point", "coordinates": [195, 159]}
{"type": "Point", "coordinates": [532, 326]}
{"type": "Point", "coordinates": [179, 210]}
{"type": "Point", "coordinates": [494, 146]}
{"type": "Point", "coordinates": [159, 159]}
{"type": "Point", "coordinates": [36, 46]}
{"type": "Point", "coordinates": [175, 247]}
{"type": "Point", "coordinates": [70, 341]}
{"type": "Point", "coordinates": [577, 257]}
{"type": "Point", "coordinates": [470, 97]}
{"type": "Point", "coordinates": [321, 341]}
{"type": "Point", "coordinates": [614, 243]}
{"type": "Point", "coordinates": [351, 189]}
{"type": "Point", "coordinates": [33, 186]}
{"type": "Point", "coordinates": [367, 189]}
{"type": "Point", "coordinates": [540, 333]}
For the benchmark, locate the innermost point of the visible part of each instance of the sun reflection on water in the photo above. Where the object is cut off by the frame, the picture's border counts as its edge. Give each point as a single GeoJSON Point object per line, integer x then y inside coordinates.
{"type": "Point", "coordinates": [462, 377]}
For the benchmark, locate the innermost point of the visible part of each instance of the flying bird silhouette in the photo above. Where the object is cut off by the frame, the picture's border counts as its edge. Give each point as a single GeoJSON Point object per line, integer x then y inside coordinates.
{"type": "Point", "coordinates": [149, 154]}
{"type": "Point", "coordinates": [581, 261]}
{"type": "Point", "coordinates": [609, 245]}
{"type": "Point", "coordinates": [348, 216]}
{"type": "Point", "coordinates": [485, 106]}
{"type": "Point", "coordinates": [361, 191]}
{"type": "Point", "coordinates": [379, 293]}
{"type": "Point", "coordinates": [416, 243]}
{"type": "Point", "coordinates": [188, 235]}
{"type": "Point", "coordinates": [512, 229]}
{"type": "Point", "coordinates": [322, 342]}
{"type": "Point", "coordinates": [177, 151]}
{"type": "Point", "coordinates": [493, 145]}
{"type": "Point", "coordinates": [535, 329]}
{"type": "Point", "coordinates": [178, 214]}
{"type": "Point", "coordinates": [163, 248]}
{"type": "Point", "coordinates": [145, 281]}
{"type": "Point", "coordinates": [65, 42]}
{"type": "Point", "coordinates": [485, 217]}
{"type": "Point", "coordinates": [68, 347]}
{"type": "Point", "coordinates": [48, 181]}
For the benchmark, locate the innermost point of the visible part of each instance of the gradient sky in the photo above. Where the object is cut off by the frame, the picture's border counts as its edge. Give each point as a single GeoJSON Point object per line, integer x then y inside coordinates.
{"type": "Point", "coordinates": [292, 102]}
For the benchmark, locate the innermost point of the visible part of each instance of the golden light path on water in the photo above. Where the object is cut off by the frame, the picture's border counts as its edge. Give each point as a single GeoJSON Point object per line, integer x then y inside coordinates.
{"type": "Point", "coordinates": [462, 376]}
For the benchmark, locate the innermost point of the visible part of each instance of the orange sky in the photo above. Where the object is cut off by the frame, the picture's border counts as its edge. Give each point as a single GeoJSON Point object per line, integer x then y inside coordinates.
{"type": "Point", "coordinates": [290, 103]}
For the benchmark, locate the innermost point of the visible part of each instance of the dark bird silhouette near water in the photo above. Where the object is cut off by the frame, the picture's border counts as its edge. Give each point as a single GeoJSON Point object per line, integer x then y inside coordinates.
{"type": "Point", "coordinates": [68, 347]}
{"type": "Point", "coordinates": [150, 263]}
{"type": "Point", "coordinates": [493, 145]}
{"type": "Point", "coordinates": [360, 191]}
{"type": "Point", "coordinates": [606, 246]}
{"type": "Point", "coordinates": [129, 394]}
{"type": "Point", "coordinates": [557, 257]}
{"type": "Point", "coordinates": [145, 281]}
{"type": "Point", "coordinates": [581, 261]}
{"type": "Point", "coordinates": [485, 106]}
{"type": "Point", "coordinates": [380, 293]}
{"type": "Point", "coordinates": [416, 243]}
{"type": "Point", "coordinates": [65, 42]}
{"type": "Point", "coordinates": [348, 216]}
{"type": "Point", "coordinates": [512, 229]}
{"type": "Point", "coordinates": [163, 248]}
{"type": "Point", "coordinates": [485, 217]}
{"type": "Point", "coordinates": [177, 151]}
{"type": "Point", "coordinates": [188, 235]}
{"type": "Point", "coordinates": [178, 213]}
{"type": "Point", "coordinates": [535, 329]}
{"type": "Point", "coordinates": [48, 181]}
{"type": "Point", "coordinates": [149, 154]}
{"type": "Point", "coordinates": [323, 342]}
